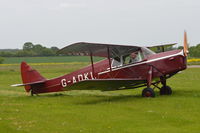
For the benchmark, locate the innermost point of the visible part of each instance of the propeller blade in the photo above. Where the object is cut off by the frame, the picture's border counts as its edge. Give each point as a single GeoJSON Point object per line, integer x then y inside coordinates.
{"type": "Point", "coordinates": [185, 47]}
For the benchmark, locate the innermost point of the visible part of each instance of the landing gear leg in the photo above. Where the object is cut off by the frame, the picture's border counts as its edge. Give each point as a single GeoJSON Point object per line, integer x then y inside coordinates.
{"type": "Point", "coordinates": [165, 90]}
{"type": "Point", "coordinates": [149, 92]}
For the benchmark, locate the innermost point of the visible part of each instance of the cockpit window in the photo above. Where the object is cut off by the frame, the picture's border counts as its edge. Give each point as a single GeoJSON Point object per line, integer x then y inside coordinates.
{"type": "Point", "coordinates": [116, 63]}
{"type": "Point", "coordinates": [146, 52]}
{"type": "Point", "coordinates": [131, 57]}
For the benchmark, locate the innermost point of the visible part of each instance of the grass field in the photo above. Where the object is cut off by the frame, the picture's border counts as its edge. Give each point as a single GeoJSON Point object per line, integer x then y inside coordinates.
{"type": "Point", "coordinates": [98, 112]}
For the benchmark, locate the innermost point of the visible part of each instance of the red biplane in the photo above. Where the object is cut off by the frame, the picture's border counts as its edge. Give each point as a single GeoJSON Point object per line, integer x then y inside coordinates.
{"type": "Point", "coordinates": [124, 67]}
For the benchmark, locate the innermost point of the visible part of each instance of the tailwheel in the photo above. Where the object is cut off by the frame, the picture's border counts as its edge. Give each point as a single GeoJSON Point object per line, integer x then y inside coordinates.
{"type": "Point", "coordinates": [148, 92]}
{"type": "Point", "coordinates": [165, 90]}
{"type": "Point", "coordinates": [32, 92]}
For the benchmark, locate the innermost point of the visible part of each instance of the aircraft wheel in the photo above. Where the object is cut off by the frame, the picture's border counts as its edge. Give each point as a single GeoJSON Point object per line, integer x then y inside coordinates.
{"type": "Point", "coordinates": [166, 90]}
{"type": "Point", "coordinates": [148, 92]}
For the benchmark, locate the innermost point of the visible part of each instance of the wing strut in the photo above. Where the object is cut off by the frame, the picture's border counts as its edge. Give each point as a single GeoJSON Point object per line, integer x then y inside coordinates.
{"type": "Point", "coordinates": [108, 50]}
{"type": "Point", "coordinates": [163, 49]}
{"type": "Point", "coordinates": [92, 62]}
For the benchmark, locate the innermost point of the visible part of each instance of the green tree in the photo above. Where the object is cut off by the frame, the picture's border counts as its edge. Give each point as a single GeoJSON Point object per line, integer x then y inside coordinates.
{"type": "Point", "coordinates": [38, 49]}
{"type": "Point", "coordinates": [180, 47]}
{"type": "Point", "coordinates": [25, 53]}
{"type": "Point", "coordinates": [195, 51]}
{"type": "Point", "coordinates": [47, 52]}
{"type": "Point", "coordinates": [29, 49]}
{"type": "Point", "coordinates": [54, 49]}
{"type": "Point", "coordinates": [28, 46]}
{"type": "Point", "coordinates": [7, 54]}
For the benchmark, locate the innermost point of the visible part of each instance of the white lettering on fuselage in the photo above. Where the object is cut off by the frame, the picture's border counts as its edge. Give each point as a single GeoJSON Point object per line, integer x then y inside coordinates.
{"type": "Point", "coordinates": [79, 77]}
{"type": "Point", "coordinates": [91, 74]}
{"type": "Point", "coordinates": [63, 82]}
{"type": "Point", "coordinates": [86, 76]}
{"type": "Point", "coordinates": [74, 79]}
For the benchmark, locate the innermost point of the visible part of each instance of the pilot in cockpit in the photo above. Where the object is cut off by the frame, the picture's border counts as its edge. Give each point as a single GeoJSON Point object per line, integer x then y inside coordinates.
{"type": "Point", "coordinates": [134, 57]}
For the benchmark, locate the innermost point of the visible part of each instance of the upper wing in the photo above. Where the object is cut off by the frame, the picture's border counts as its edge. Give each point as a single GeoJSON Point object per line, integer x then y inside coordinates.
{"type": "Point", "coordinates": [161, 48]}
{"type": "Point", "coordinates": [97, 49]}
{"type": "Point", "coordinates": [106, 84]}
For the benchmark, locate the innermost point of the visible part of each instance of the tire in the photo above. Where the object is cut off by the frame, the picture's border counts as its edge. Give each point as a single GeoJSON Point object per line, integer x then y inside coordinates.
{"type": "Point", "coordinates": [166, 90]}
{"type": "Point", "coordinates": [148, 92]}
{"type": "Point", "coordinates": [32, 93]}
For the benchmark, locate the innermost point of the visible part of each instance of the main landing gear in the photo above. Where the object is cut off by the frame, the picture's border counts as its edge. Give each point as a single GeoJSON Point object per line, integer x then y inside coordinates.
{"type": "Point", "coordinates": [149, 92]}
{"type": "Point", "coordinates": [165, 90]}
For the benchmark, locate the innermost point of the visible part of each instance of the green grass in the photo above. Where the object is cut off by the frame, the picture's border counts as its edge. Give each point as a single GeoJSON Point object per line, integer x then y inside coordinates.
{"type": "Point", "coordinates": [54, 59]}
{"type": "Point", "coordinates": [98, 112]}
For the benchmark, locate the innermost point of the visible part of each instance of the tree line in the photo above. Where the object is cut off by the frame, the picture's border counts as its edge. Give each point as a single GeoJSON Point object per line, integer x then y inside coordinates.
{"type": "Point", "coordinates": [30, 50]}
{"type": "Point", "coordinates": [194, 51]}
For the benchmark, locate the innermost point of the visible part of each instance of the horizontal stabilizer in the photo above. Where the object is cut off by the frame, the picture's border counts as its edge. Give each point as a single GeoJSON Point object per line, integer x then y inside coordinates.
{"type": "Point", "coordinates": [17, 85]}
{"type": "Point", "coordinates": [32, 83]}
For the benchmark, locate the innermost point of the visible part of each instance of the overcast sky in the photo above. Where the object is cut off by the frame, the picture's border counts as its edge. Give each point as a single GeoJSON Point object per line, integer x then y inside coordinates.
{"type": "Point", "coordinates": [62, 22]}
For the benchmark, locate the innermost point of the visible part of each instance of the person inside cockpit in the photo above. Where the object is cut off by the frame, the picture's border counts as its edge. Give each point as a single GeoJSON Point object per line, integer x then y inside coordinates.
{"type": "Point", "coordinates": [134, 57]}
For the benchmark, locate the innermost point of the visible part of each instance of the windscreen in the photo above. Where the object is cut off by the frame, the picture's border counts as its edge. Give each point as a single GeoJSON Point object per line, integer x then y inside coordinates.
{"type": "Point", "coordinates": [147, 52]}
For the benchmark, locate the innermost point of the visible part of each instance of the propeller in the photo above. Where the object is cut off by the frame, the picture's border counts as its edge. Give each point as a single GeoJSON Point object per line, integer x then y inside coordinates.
{"type": "Point", "coordinates": [185, 45]}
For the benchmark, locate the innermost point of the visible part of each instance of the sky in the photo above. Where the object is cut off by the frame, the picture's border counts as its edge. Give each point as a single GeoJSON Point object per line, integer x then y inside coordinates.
{"type": "Point", "coordinates": [63, 22]}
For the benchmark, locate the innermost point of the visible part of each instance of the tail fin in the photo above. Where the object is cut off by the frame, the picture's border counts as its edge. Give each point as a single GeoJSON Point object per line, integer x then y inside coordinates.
{"type": "Point", "coordinates": [30, 76]}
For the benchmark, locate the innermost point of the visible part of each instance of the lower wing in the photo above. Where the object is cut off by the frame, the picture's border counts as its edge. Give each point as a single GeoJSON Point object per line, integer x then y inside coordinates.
{"type": "Point", "coordinates": [106, 84]}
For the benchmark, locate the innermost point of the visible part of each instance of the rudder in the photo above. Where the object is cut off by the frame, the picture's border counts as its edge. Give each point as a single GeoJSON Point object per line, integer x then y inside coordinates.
{"type": "Point", "coordinates": [29, 75]}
